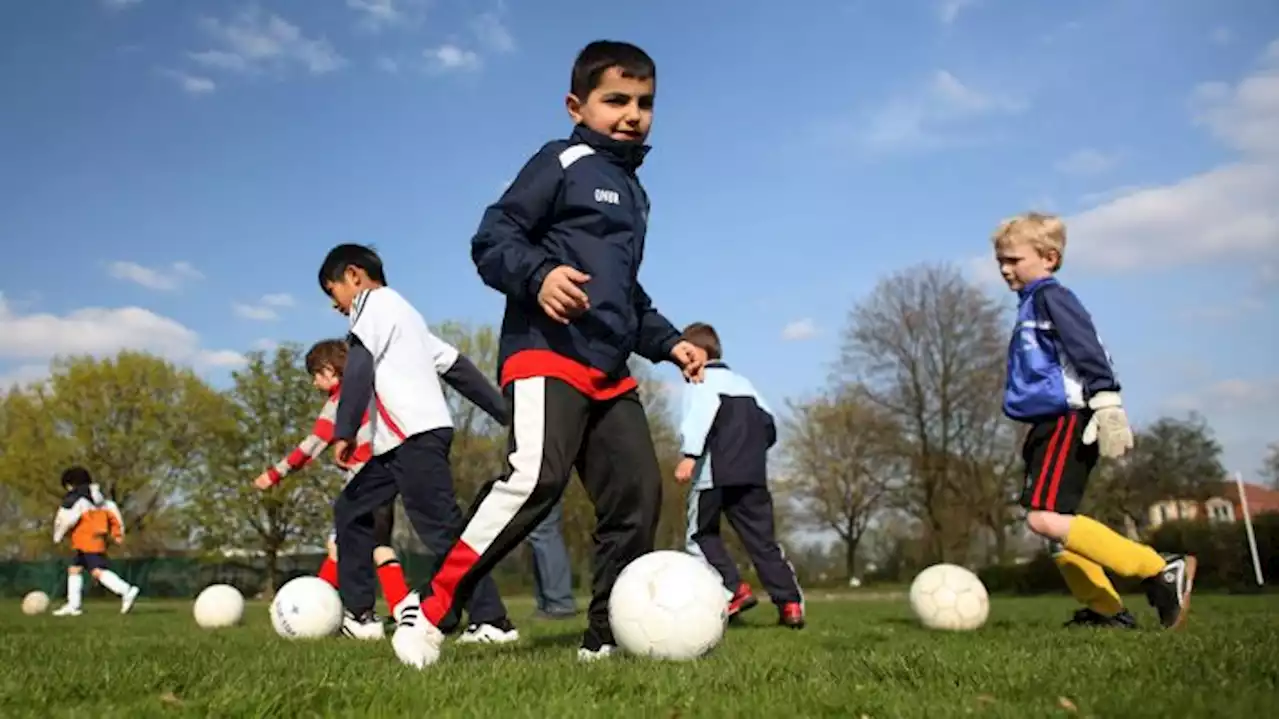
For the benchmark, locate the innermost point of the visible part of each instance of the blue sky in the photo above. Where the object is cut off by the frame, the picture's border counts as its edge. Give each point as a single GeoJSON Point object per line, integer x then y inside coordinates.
{"type": "Point", "coordinates": [172, 172]}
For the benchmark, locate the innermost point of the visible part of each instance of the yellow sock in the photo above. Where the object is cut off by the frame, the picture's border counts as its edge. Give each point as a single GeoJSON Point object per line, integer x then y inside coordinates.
{"type": "Point", "coordinates": [1089, 583]}
{"type": "Point", "coordinates": [1100, 544]}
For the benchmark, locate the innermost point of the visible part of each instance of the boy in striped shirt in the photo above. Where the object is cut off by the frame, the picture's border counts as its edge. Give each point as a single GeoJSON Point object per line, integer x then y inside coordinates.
{"type": "Point", "coordinates": [325, 362]}
{"type": "Point", "coordinates": [395, 367]}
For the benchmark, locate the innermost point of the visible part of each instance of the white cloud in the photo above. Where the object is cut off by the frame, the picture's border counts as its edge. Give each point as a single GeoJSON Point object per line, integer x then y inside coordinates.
{"type": "Point", "coordinates": [492, 33]}
{"type": "Point", "coordinates": [254, 41]}
{"type": "Point", "coordinates": [1086, 161]}
{"type": "Point", "coordinates": [259, 313]}
{"type": "Point", "coordinates": [23, 375]}
{"type": "Point", "coordinates": [1228, 211]}
{"type": "Point", "coordinates": [1225, 212]}
{"type": "Point", "coordinates": [801, 329]}
{"type": "Point", "coordinates": [937, 114]}
{"type": "Point", "coordinates": [1097, 198]}
{"type": "Point", "coordinates": [265, 345]}
{"type": "Point", "coordinates": [99, 331]}
{"type": "Point", "coordinates": [266, 309]}
{"type": "Point", "coordinates": [191, 84]}
{"type": "Point", "coordinates": [155, 278]}
{"type": "Point", "coordinates": [1229, 395]}
{"type": "Point", "coordinates": [1241, 412]}
{"type": "Point", "coordinates": [1242, 117]}
{"type": "Point", "coordinates": [449, 57]}
{"type": "Point", "coordinates": [1272, 53]}
{"type": "Point", "coordinates": [377, 14]}
{"type": "Point", "coordinates": [1234, 311]}
{"type": "Point", "coordinates": [949, 10]}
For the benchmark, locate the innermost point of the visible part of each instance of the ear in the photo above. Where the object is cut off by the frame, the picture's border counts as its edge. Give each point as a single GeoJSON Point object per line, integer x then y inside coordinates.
{"type": "Point", "coordinates": [574, 106]}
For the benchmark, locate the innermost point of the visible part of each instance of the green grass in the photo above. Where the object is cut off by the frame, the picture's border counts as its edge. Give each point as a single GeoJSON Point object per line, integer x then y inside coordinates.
{"type": "Point", "coordinates": [857, 658]}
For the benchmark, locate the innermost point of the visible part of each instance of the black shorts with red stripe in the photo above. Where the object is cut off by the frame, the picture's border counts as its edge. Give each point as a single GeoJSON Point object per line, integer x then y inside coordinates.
{"type": "Point", "coordinates": [1058, 463]}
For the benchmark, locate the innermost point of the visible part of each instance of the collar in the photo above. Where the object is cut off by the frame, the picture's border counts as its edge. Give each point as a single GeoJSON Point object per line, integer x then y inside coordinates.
{"type": "Point", "coordinates": [717, 364]}
{"type": "Point", "coordinates": [628, 154]}
{"type": "Point", "coordinates": [1032, 288]}
{"type": "Point", "coordinates": [335, 390]}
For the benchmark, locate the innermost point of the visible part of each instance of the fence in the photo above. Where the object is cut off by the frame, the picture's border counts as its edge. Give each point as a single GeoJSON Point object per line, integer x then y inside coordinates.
{"type": "Point", "coordinates": [184, 577]}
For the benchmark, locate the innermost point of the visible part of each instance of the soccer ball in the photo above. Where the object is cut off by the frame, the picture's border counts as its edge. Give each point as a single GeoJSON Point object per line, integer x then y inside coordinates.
{"type": "Point", "coordinates": [949, 597]}
{"type": "Point", "coordinates": [306, 607]}
{"type": "Point", "coordinates": [668, 605]}
{"type": "Point", "coordinates": [35, 603]}
{"type": "Point", "coordinates": [219, 605]}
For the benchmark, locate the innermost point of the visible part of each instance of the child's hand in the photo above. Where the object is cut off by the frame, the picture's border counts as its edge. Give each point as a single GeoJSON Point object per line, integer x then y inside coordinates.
{"type": "Point", "coordinates": [684, 470]}
{"type": "Point", "coordinates": [691, 358]}
{"type": "Point", "coordinates": [342, 453]}
{"type": "Point", "coordinates": [262, 481]}
{"type": "Point", "coordinates": [560, 295]}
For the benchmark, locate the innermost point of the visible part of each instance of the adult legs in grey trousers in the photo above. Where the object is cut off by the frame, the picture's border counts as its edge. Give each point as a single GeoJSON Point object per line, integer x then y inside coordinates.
{"type": "Point", "coordinates": [552, 570]}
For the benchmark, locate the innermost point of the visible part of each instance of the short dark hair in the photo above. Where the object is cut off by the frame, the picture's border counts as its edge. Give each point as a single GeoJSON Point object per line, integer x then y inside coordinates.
{"type": "Point", "coordinates": [597, 57]}
{"type": "Point", "coordinates": [701, 334]}
{"type": "Point", "coordinates": [76, 476]}
{"type": "Point", "coordinates": [331, 354]}
{"type": "Point", "coordinates": [349, 255]}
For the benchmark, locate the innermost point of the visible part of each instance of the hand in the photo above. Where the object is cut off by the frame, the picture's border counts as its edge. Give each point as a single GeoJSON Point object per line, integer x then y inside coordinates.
{"type": "Point", "coordinates": [684, 470]}
{"type": "Point", "coordinates": [342, 453]}
{"type": "Point", "coordinates": [1109, 426]}
{"type": "Point", "coordinates": [561, 296]}
{"type": "Point", "coordinates": [691, 358]}
{"type": "Point", "coordinates": [263, 481]}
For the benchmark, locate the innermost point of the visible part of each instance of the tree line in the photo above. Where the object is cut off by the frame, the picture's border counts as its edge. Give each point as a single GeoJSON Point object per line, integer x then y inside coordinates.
{"type": "Point", "coordinates": [900, 459]}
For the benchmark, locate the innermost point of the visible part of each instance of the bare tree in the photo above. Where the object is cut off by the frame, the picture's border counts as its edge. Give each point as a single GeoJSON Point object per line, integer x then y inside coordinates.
{"type": "Point", "coordinates": [1270, 470]}
{"type": "Point", "coordinates": [841, 461]}
{"type": "Point", "coordinates": [928, 348]}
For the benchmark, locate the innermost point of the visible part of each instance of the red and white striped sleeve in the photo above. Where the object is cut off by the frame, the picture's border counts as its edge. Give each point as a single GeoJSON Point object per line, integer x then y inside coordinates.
{"type": "Point", "coordinates": [310, 448]}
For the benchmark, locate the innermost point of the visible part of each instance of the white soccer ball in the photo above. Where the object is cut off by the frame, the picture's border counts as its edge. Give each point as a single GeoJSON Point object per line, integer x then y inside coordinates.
{"type": "Point", "coordinates": [949, 597]}
{"type": "Point", "coordinates": [668, 605]}
{"type": "Point", "coordinates": [306, 607]}
{"type": "Point", "coordinates": [35, 603]}
{"type": "Point", "coordinates": [219, 605]}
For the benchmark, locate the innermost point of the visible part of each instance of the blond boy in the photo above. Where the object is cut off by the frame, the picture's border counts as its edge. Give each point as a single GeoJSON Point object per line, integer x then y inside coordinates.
{"type": "Point", "coordinates": [1061, 383]}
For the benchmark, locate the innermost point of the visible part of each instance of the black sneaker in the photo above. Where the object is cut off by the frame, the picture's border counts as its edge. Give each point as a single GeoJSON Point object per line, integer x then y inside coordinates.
{"type": "Point", "coordinates": [1088, 618]}
{"type": "Point", "coordinates": [501, 631]}
{"type": "Point", "coordinates": [1170, 590]}
{"type": "Point", "coordinates": [596, 645]}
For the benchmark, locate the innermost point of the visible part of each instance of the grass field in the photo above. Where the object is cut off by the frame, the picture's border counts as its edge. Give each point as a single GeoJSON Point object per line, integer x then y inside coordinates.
{"type": "Point", "coordinates": [857, 658]}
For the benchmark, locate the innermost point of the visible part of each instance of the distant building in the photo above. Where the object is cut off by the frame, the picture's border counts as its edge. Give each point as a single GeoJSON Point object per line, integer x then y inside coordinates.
{"type": "Point", "coordinates": [1222, 506]}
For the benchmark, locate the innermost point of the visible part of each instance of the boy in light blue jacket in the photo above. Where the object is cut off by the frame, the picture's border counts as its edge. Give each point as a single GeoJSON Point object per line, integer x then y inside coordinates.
{"type": "Point", "coordinates": [725, 433]}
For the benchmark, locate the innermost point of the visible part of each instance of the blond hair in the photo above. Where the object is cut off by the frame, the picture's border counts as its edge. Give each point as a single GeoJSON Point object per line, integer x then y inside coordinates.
{"type": "Point", "coordinates": [1043, 232]}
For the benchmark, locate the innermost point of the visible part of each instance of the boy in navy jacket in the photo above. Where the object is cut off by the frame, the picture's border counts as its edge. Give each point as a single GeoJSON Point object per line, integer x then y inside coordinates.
{"type": "Point", "coordinates": [1061, 382]}
{"type": "Point", "coordinates": [564, 244]}
{"type": "Point", "coordinates": [726, 431]}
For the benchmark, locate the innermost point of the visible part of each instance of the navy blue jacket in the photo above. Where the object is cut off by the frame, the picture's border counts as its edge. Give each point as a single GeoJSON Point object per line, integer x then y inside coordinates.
{"type": "Point", "coordinates": [576, 202]}
{"type": "Point", "coordinates": [1056, 361]}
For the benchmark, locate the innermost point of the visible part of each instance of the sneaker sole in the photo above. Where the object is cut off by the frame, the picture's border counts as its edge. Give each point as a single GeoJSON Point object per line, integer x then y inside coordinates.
{"type": "Point", "coordinates": [1185, 608]}
{"type": "Point", "coordinates": [747, 604]}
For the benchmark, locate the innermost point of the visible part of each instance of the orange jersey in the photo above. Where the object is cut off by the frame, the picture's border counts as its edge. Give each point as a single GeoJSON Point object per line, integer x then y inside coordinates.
{"type": "Point", "coordinates": [90, 518]}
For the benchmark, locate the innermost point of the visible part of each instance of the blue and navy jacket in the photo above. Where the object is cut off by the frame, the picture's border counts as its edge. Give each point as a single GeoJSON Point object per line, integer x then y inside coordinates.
{"type": "Point", "coordinates": [1056, 361]}
{"type": "Point", "coordinates": [577, 202]}
{"type": "Point", "coordinates": [728, 428]}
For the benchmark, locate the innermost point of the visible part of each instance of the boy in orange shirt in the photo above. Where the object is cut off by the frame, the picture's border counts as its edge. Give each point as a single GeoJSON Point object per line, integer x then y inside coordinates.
{"type": "Point", "coordinates": [91, 519]}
